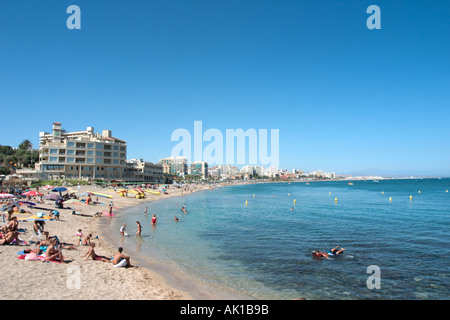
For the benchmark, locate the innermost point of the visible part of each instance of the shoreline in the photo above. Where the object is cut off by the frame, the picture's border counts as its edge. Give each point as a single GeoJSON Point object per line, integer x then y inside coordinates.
{"type": "Point", "coordinates": [79, 279]}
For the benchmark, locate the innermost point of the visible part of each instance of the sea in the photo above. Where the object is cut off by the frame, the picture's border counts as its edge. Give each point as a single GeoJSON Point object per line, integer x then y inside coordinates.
{"type": "Point", "coordinates": [255, 241]}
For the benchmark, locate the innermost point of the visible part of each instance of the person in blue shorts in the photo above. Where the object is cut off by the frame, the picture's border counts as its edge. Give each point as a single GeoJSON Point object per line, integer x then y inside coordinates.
{"type": "Point", "coordinates": [332, 252]}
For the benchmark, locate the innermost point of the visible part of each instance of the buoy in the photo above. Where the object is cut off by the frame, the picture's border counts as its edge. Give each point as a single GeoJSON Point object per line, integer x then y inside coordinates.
{"type": "Point", "coordinates": [246, 202]}
{"type": "Point", "coordinates": [335, 199]}
{"type": "Point", "coordinates": [295, 201]}
{"type": "Point", "coordinates": [390, 199]}
{"type": "Point", "coordinates": [419, 191]}
{"type": "Point", "coordinates": [289, 194]}
{"type": "Point", "coordinates": [410, 197]}
{"type": "Point", "coordinates": [382, 192]}
{"type": "Point", "coordinates": [446, 190]}
{"type": "Point", "coordinates": [253, 195]}
{"type": "Point", "coordinates": [329, 193]}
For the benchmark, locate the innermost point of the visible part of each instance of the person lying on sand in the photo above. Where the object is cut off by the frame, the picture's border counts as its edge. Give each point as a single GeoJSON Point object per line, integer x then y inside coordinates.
{"type": "Point", "coordinates": [61, 245]}
{"type": "Point", "coordinates": [91, 254]}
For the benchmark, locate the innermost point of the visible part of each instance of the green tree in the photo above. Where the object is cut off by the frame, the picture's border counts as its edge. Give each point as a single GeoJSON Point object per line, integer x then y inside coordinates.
{"type": "Point", "coordinates": [25, 145]}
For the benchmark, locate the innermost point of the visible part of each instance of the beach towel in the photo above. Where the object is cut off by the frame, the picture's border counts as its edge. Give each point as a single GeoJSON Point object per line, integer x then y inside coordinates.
{"type": "Point", "coordinates": [38, 258]}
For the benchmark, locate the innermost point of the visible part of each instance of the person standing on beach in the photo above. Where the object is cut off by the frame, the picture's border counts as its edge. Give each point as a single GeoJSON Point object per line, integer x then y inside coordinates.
{"type": "Point", "coordinates": [139, 229]}
{"type": "Point", "coordinates": [79, 234]}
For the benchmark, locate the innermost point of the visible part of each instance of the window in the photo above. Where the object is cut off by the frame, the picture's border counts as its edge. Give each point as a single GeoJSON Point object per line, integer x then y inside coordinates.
{"type": "Point", "coordinates": [116, 147]}
{"type": "Point", "coordinates": [70, 159]}
{"type": "Point", "coordinates": [90, 160]}
{"type": "Point", "coordinates": [53, 159]}
{"type": "Point", "coordinates": [116, 154]}
{"type": "Point", "coordinates": [53, 151]}
{"type": "Point", "coordinates": [115, 161]}
{"type": "Point", "coordinates": [99, 146]}
{"type": "Point", "coordinates": [71, 144]}
{"type": "Point", "coordinates": [98, 160]}
{"type": "Point", "coordinates": [90, 153]}
{"type": "Point", "coordinates": [70, 151]}
{"type": "Point", "coordinates": [90, 145]}
{"type": "Point", "coordinates": [53, 167]}
{"type": "Point", "coordinates": [99, 153]}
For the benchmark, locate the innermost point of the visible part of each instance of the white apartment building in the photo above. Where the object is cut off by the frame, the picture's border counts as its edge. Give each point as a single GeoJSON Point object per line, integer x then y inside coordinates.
{"type": "Point", "coordinates": [85, 155]}
{"type": "Point", "coordinates": [140, 170]}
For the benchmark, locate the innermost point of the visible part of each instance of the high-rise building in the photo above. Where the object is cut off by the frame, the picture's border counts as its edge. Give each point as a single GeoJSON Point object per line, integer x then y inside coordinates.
{"type": "Point", "coordinates": [199, 168]}
{"type": "Point", "coordinates": [174, 165]}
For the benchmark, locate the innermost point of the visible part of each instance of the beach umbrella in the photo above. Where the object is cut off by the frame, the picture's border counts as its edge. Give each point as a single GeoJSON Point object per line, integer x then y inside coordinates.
{"type": "Point", "coordinates": [99, 194]}
{"type": "Point", "coordinates": [47, 187]}
{"type": "Point", "coordinates": [32, 193]}
{"type": "Point", "coordinates": [40, 217]}
{"type": "Point", "coordinates": [75, 201]}
{"type": "Point", "coordinates": [27, 202]}
{"type": "Point", "coordinates": [6, 196]}
{"type": "Point", "coordinates": [59, 189]}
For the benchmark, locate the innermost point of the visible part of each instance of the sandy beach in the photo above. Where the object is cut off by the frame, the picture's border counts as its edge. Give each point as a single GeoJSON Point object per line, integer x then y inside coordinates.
{"type": "Point", "coordinates": [81, 279]}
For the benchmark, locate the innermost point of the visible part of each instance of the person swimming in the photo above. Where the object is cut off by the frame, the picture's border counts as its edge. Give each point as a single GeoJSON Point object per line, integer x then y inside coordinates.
{"type": "Point", "coordinates": [327, 254]}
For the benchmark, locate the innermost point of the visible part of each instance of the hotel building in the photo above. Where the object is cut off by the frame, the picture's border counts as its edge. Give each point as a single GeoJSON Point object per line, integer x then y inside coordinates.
{"type": "Point", "coordinates": [86, 155]}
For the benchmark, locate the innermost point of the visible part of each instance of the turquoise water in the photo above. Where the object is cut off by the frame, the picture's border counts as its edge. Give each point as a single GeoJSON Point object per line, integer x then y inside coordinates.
{"type": "Point", "coordinates": [262, 250]}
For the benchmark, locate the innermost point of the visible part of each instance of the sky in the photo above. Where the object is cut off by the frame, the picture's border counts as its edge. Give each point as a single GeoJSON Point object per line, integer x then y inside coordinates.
{"type": "Point", "coordinates": [345, 98]}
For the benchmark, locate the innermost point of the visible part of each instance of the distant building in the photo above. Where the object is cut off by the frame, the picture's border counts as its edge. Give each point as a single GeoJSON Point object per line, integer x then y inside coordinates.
{"type": "Point", "coordinates": [227, 170]}
{"type": "Point", "coordinates": [199, 168]}
{"type": "Point", "coordinates": [174, 165]}
{"type": "Point", "coordinates": [144, 171]}
{"type": "Point", "coordinates": [253, 170]}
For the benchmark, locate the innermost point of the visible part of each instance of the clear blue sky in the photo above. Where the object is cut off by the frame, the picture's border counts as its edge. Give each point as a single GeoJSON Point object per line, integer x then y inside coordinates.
{"type": "Point", "coordinates": [345, 98]}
